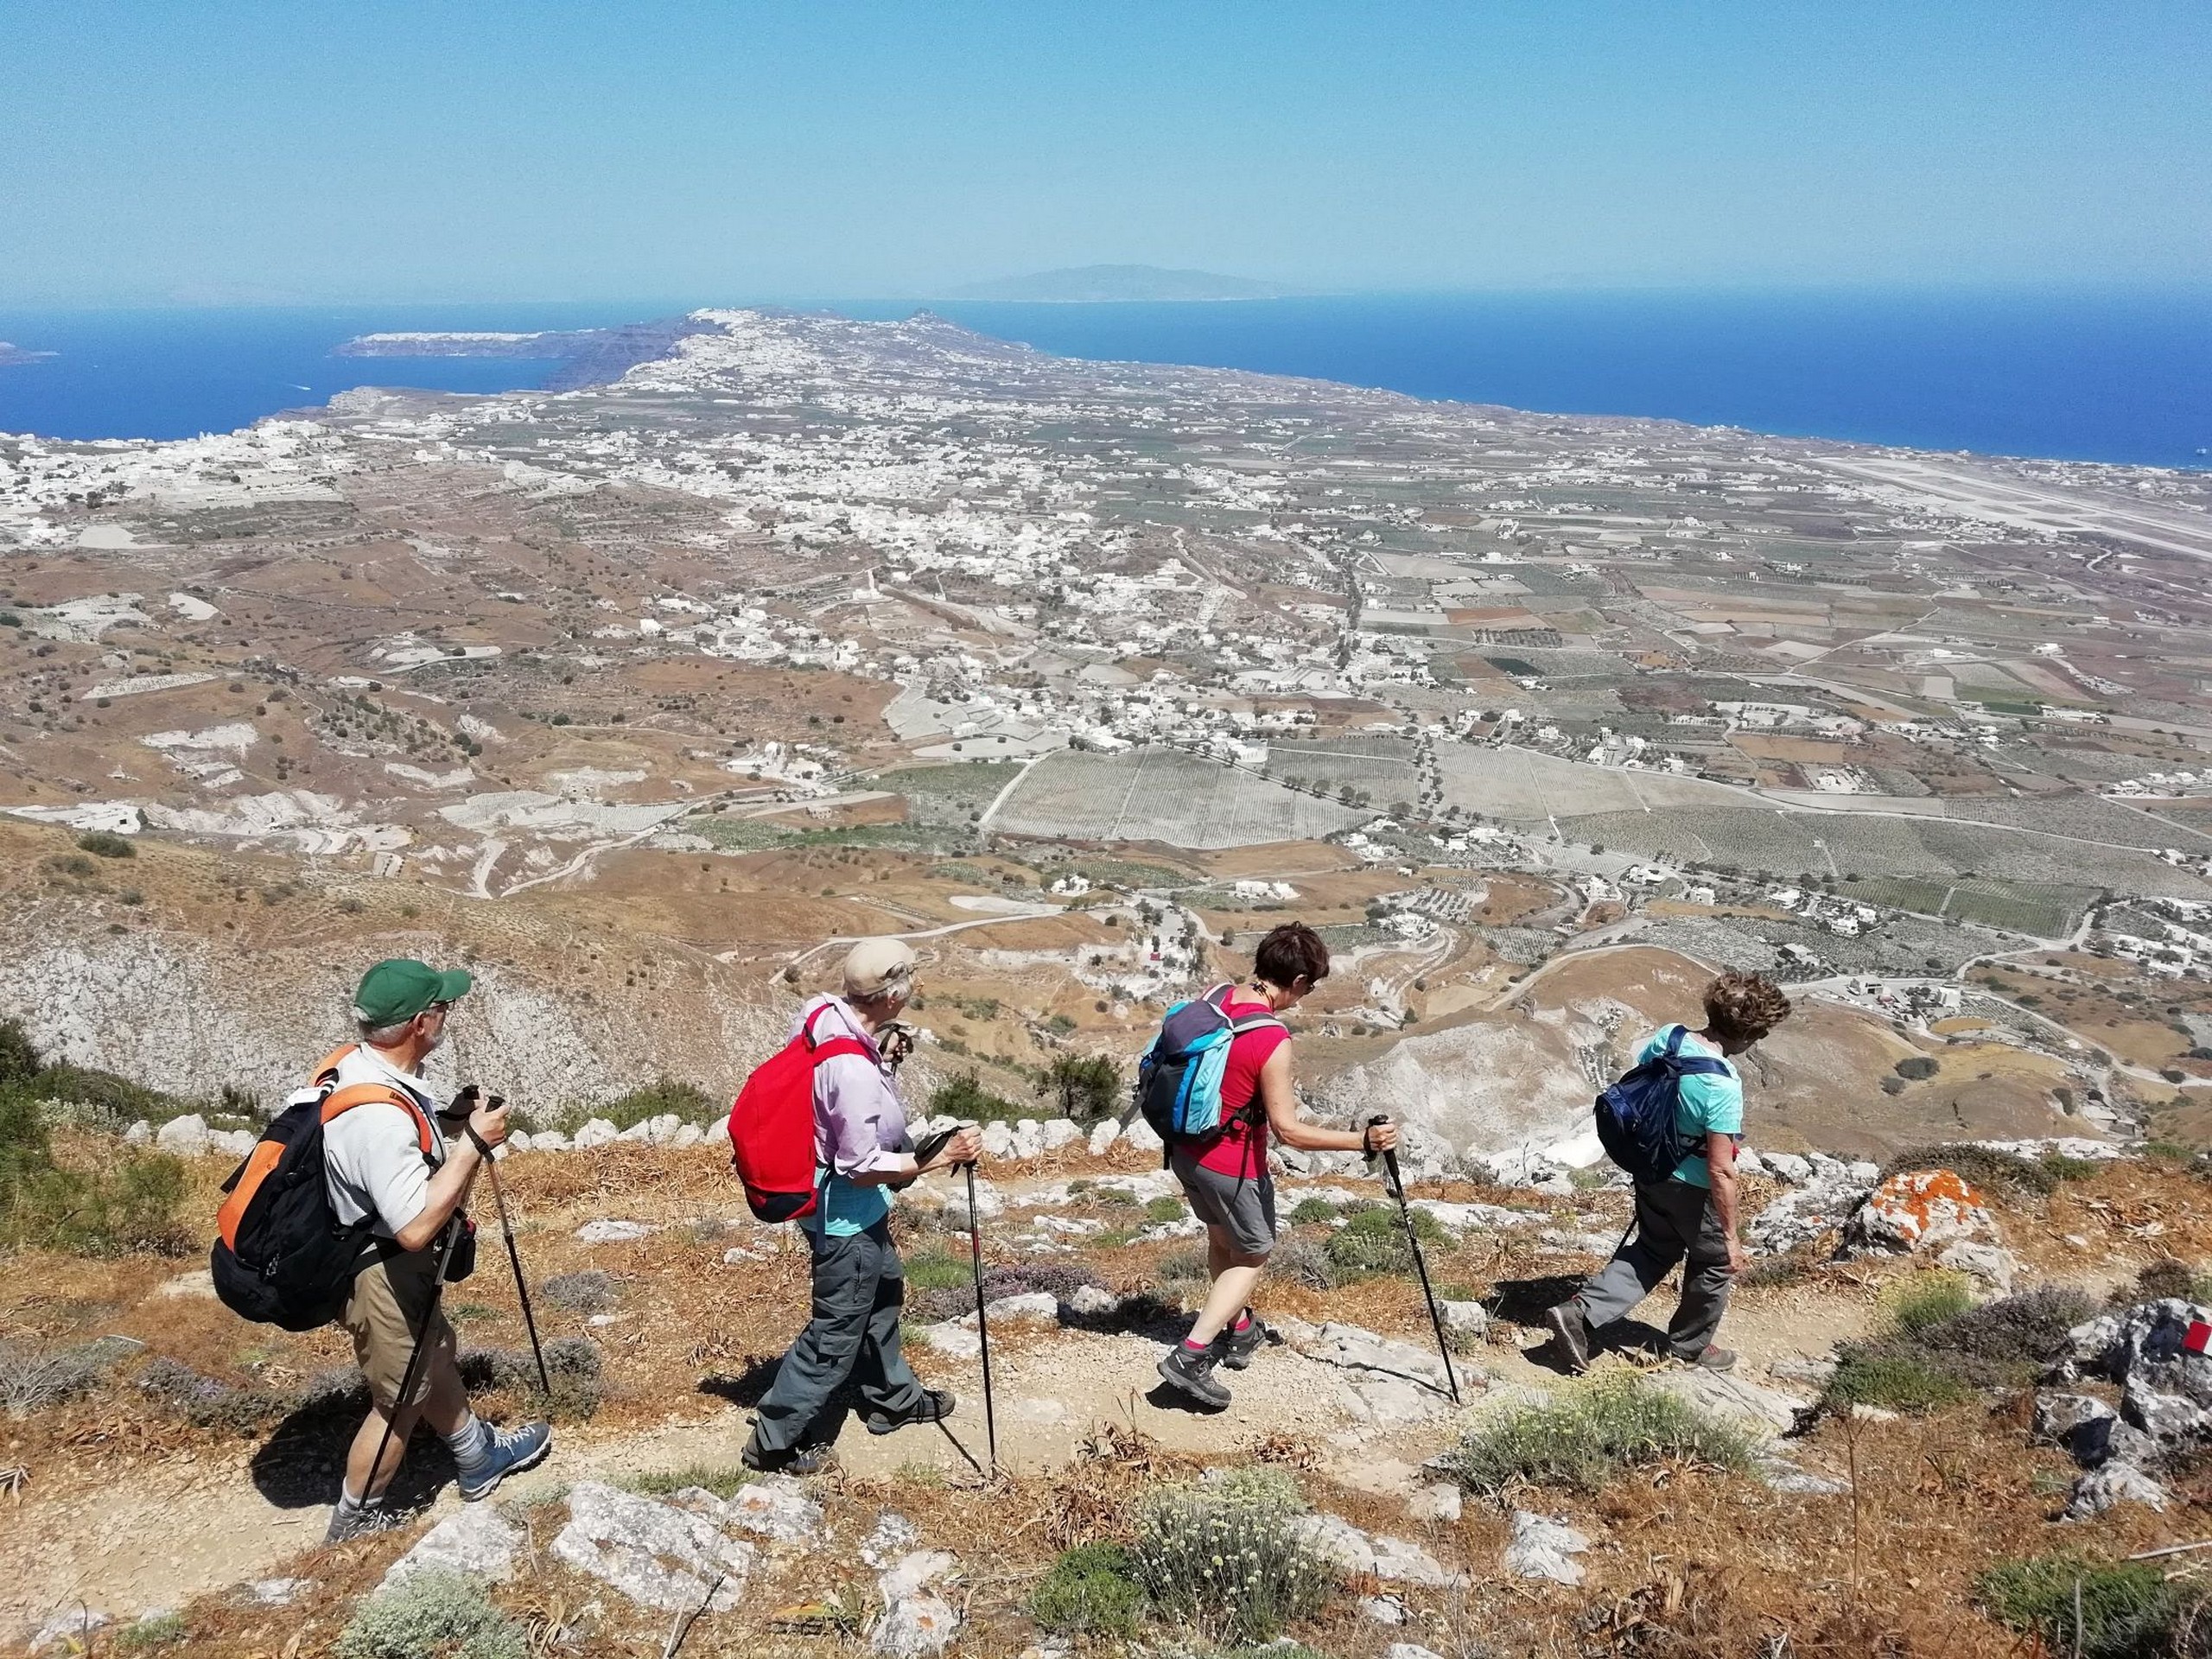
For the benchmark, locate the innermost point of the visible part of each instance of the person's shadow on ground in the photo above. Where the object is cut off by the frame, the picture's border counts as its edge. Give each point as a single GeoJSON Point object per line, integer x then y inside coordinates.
{"type": "Point", "coordinates": [749, 1387]}
{"type": "Point", "coordinates": [303, 1463]}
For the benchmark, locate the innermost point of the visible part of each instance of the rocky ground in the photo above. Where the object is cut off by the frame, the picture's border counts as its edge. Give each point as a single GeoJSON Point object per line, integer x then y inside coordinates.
{"type": "Point", "coordinates": [169, 1467]}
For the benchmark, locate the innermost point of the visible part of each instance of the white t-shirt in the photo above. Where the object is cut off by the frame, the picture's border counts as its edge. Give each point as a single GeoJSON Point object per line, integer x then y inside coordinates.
{"type": "Point", "coordinates": [372, 1152]}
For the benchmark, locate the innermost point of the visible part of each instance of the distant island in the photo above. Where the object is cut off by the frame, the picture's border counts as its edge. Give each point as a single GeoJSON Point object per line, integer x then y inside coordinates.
{"type": "Point", "coordinates": [1106, 284]}
{"type": "Point", "coordinates": [21, 355]}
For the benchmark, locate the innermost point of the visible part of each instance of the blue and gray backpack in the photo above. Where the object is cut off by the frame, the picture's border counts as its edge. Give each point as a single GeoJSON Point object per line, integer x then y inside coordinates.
{"type": "Point", "coordinates": [1636, 1116]}
{"type": "Point", "coordinates": [1179, 1077]}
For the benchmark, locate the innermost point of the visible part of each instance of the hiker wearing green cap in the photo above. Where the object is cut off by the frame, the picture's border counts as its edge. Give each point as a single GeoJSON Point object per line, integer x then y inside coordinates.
{"type": "Point", "coordinates": [387, 1166]}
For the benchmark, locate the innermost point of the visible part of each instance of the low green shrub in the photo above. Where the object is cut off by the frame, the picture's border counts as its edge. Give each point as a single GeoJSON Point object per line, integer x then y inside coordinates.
{"type": "Point", "coordinates": [1184, 1267]}
{"type": "Point", "coordinates": [591, 1291]}
{"type": "Point", "coordinates": [2060, 1168]}
{"type": "Point", "coordinates": [720, 1479]}
{"type": "Point", "coordinates": [1309, 1212]}
{"type": "Point", "coordinates": [1584, 1439]}
{"type": "Point", "coordinates": [1896, 1381]}
{"type": "Point", "coordinates": [1921, 1299]}
{"type": "Point", "coordinates": [1917, 1067]}
{"type": "Point", "coordinates": [656, 1099]}
{"type": "Point", "coordinates": [1164, 1208]}
{"type": "Point", "coordinates": [1302, 1262]}
{"type": "Point", "coordinates": [2167, 1276]}
{"type": "Point", "coordinates": [937, 1270]}
{"type": "Point", "coordinates": [128, 1201]}
{"type": "Point", "coordinates": [1226, 1557]}
{"type": "Point", "coordinates": [1923, 1364]}
{"type": "Point", "coordinates": [155, 1631]}
{"type": "Point", "coordinates": [2128, 1609]}
{"type": "Point", "coordinates": [965, 1098]}
{"type": "Point", "coordinates": [1091, 1590]}
{"type": "Point", "coordinates": [105, 843]}
{"type": "Point", "coordinates": [432, 1612]}
{"type": "Point", "coordinates": [1374, 1242]}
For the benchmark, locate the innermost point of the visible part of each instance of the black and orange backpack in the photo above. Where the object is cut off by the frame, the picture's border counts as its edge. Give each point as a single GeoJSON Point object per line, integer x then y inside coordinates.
{"type": "Point", "coordinates": [281, 1256]}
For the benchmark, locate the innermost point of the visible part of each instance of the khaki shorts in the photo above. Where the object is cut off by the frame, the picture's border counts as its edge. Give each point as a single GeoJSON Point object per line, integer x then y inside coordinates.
{"type": "Point", "coordinates": [383, 1314]}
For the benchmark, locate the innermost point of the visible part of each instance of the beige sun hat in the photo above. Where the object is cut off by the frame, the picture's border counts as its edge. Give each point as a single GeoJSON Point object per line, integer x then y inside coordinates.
{"type": "Point", "coordinates": [877, 968]}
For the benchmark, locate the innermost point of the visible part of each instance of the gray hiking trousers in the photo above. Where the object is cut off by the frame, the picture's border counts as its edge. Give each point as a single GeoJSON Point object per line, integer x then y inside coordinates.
{"type": "Point", "coordinates": [1674, 1220]}
{"type": "Point", "coordinates": [849, 1346]}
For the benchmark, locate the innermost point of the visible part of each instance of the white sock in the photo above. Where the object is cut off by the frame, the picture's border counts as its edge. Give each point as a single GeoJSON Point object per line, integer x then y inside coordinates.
{"type": "Point", "coordinates": [471, 1441]}
{"type": "Point", "coordinates": [349, 1504]}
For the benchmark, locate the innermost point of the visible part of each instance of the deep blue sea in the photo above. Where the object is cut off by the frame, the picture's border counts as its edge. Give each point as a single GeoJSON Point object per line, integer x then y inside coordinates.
{"type": "Point", "coordinates": [2096, 376]}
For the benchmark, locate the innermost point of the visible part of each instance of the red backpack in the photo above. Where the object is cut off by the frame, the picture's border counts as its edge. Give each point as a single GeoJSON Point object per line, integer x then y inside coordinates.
{"type": "Point", "coordinates": [771, 1124]}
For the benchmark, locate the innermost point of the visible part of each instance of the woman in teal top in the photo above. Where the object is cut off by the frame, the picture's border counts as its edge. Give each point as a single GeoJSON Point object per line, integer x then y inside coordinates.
{"type": "Point", "coordinates": [1690, 1217]}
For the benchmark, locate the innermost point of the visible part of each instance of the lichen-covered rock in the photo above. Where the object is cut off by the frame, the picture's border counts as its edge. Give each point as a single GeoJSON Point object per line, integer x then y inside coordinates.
{"type": "Point", "coordinates": [1920, 1210]}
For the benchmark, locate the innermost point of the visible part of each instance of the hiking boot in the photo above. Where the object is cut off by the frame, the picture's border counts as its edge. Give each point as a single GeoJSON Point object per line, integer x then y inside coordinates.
{"type": "Point", "coordinates": [1234, 1348]}
{"type": "Point", "coordinates": [351, 1520]}
{"type": "Point", "coordinates": [506, 1451]}
{"type": "Point", "coordinates": [799, 1460]}
{"type": "Point", "coordinates": [934, 1407]}
{"type": "Point", "coordinates": [1710, 1358]}
{"type": "Point", "coordinates": [1192, 1375]}
{"type": "Point", "coordinates": [1571, 1332]}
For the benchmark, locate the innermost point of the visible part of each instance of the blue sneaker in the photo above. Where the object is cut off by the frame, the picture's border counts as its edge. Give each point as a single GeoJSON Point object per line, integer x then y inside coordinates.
{"type": "Point", "coordinates": [506, 1451]}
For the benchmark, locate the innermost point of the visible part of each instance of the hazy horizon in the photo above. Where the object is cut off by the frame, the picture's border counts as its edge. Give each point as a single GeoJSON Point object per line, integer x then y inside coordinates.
{"type": "Point", "coordinates": [407, 153]}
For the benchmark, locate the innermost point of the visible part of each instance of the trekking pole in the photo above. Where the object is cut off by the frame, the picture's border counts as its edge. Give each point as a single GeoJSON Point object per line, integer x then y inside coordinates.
{"type": "Point", "coordinates": [983, 1324]}
{"type": "Point", "coordinates": [514, 1259]}
{"type": "Point", "coordinates": [408, 1377]}
{"type": "Point", "coordinates": [1420, 1265]}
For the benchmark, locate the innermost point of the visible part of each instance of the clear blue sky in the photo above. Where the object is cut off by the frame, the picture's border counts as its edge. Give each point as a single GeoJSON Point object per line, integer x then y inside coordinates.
{"type": "Point", "coordinates": [207, 151]}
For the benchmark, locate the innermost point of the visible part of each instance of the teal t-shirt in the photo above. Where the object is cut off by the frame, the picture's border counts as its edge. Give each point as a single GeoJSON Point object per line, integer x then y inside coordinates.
{"type": "Point", "coordinates": [1704, 1105]}
{"type": "Point", "coordinates": [842, 1208]}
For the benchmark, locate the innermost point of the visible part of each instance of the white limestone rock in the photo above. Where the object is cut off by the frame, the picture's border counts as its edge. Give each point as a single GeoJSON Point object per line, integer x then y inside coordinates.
{"type": "Point", "coordinates": [609, 1231]}
{"type": "Point", "coordinates": [998, 1141]}
{"type": "Point", "coordinates": [687, 1134]}
{"type": "Point", "coordinates": [596, 1132]}
{"type": "Point", "coordinates": [2113, 1483]}
{"type": "Point", "coordinates": [1058, 1132]}
{"type": "Point", "coordinates": [186, 1137]}
{"type": "Point", "coordinates": [891, 1536]}
{"type": "Point", "coordinates": [476, 1539]}
{"type": "Point", "coordinates": [1437, 1501]}
{"type": "Point", "coordinates": [1762, 1412]}
{"type": "Point", "coordinates": [1141, 1136]}
{"type": "Point", "coordinates": [778, 1508]}
{"type": "Point", "coordinates": [915, 1572]}
{"type": "Point", "coordinates": [914, 1626]}
{"type": "Point", "coordinates": [139, 1134]}
{"type": "Point", "coordinates": [1543, 1547]}
{"type": "Point", "coordinates": [1103, 1136]}
{"type": "Point", "coordinates": [655, 1553]}
{"type": "Point", "coordinates": [717, 1133]}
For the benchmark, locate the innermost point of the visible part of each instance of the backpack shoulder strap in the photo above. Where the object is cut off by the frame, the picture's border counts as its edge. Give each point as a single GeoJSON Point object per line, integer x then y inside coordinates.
{"type": "Point", "coordinates": [326, 1070]}
{"type": "Point", "coordinates": [1243, 1023]}
{"type": "Point", "coordinates": [364, 1094]}
{"type": "Point", "coordinates": [837, 1046]}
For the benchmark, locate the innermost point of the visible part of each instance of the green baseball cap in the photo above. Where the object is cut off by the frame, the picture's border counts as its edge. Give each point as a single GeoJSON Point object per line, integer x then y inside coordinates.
{"type": "Point", "coordinates": [400, 989]}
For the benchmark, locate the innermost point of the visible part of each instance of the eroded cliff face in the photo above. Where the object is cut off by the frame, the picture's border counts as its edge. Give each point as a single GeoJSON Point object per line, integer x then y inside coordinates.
{"type": "Point", "coordinates": [189, 1016]}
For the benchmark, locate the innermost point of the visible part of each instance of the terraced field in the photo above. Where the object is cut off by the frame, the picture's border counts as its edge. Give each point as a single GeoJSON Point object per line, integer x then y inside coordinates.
{"type": "Point", "coordinates": [1163, 794]}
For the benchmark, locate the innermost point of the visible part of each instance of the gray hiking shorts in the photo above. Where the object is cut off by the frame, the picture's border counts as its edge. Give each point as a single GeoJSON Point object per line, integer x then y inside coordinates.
{"type": "Point", "coordinates": [1246, 1207]}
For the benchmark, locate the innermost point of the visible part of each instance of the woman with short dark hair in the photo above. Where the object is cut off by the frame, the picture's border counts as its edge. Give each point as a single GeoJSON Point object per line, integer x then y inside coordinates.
{"type": "Point", "coordinates": [1224, 1175]}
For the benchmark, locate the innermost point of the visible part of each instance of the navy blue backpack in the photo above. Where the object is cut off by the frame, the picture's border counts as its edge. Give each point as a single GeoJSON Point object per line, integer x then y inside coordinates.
{"type": "Point", "coordinates": [1636, 1116]}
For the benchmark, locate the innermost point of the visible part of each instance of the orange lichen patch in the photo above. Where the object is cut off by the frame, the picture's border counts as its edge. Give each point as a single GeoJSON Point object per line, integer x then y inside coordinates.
{"type": "Point", "coordinates": [1926, 1206]}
